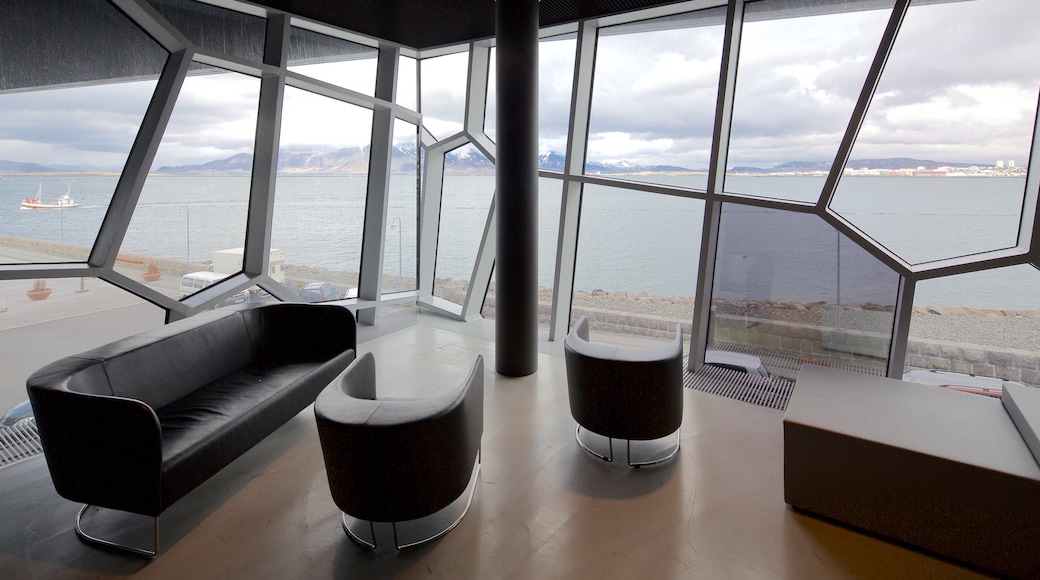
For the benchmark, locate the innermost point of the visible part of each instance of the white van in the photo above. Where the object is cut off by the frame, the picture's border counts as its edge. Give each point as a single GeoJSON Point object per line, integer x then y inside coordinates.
{"type": "Point", "coordinates": [195, 281]}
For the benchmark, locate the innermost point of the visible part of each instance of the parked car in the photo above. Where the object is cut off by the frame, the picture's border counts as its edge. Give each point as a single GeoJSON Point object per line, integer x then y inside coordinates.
{"type": "Point", "coordinates": [236, 298]}
{"type": "Point", "coordinates": [319, 292]}
{"type": "Point", "coordinates": [21, 412]}
{"type": "Point", "coordinates": [736, 361]}
{"type": "Point", "coordinates": [966, 383]}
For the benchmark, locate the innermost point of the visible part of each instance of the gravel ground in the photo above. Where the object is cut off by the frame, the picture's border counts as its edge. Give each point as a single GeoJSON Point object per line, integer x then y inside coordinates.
{"type": "Point", "coordinates": [1020, 332]}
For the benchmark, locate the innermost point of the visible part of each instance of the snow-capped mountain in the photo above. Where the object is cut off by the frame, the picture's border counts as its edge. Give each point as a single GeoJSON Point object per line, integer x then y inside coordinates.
{"type": "Point", "coordinates": [466, 160]}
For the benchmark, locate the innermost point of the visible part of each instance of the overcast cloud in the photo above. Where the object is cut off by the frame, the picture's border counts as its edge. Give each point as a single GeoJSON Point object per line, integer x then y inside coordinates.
{"type": "Point", "coordinates": [962, 85]}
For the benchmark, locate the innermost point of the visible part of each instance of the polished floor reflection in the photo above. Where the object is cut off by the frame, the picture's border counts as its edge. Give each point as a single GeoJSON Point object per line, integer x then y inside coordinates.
{"type": "Point", "coordinates": [543, 507]}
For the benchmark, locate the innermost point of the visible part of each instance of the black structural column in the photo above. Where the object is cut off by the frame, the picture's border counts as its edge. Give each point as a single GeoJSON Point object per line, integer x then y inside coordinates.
{"type": "Point", "coordinates": [516, 188]}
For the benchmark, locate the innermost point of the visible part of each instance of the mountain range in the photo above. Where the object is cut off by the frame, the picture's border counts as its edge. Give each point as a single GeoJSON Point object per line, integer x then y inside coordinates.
{"type": "Point", "coordinates": [464, 162]}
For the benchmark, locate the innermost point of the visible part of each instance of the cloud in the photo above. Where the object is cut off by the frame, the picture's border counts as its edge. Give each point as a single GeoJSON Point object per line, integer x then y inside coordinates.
{"type": "Point", "coordinates": [90, 125]}
{"type": "Point", "coordinates": [961, 85]}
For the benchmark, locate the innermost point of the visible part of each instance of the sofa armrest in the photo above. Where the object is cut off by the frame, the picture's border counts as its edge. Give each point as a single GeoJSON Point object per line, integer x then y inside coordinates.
{"type": "Point", "coordinates": [101, 450]}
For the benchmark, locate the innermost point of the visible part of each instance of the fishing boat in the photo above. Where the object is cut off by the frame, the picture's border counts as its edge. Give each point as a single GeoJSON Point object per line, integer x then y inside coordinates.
{"type": "Point", "coordinates": [64, 202]}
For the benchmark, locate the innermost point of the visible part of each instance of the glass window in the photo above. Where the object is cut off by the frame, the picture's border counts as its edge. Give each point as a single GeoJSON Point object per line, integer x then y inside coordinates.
{"type": "Point", "coordinates": [319, 209]}
{"type": "Point", "coordinates": [654, 93]}
{"type": "Point", "coordinates": [636, 268]}
{"type": "Point", "coordinates": [400, 249]}
{"type": "Point", "coordinates": [789, 288]}
{"type": "Point", "coordinates": [444, 93]}
{"type": "Point", "coordinates": [333, 60]}
{"type": "Point", "coordinates": [194, 201]}
{"type": "Point", "coordinates": [407, 94]}
{"type": "Point", "coordinates": [798, 81]}
{"type": "Point", "coordinates": [469, 186]}
{"type": "Point", "coordinates": [983, 323]}
{"type": "Point", "coordinates": [216, 28]}
{"type": "Point", "coordinates": [555, 81]}
{"type": "Point", "coordinates": [938, 169]}
{"type": "Point", "coordinates": [110, 313]}
{"type": "Point", "coordinates": [70, 117]}
{"type": "Point", "coordinates": [550, 194]}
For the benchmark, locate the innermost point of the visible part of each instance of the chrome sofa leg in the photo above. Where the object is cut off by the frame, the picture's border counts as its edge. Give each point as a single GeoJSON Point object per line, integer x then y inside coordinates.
{"type": "Point", "coordinates": [356, 538]}
{"type": "Point", "coordinates": [345, 519]}
{"type": "Point", "coordinates": [114, 545]}
{"type": "Point", "coordinates": [678, 436]}
{"type": "Point", "coordinates": [610, 446]}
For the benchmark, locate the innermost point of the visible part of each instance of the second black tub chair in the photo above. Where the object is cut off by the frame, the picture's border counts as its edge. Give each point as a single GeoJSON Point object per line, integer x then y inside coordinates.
{"type": "Point", "coordinates": [624, 393]}
{"type": "Point", "coordinates": [399, 460]}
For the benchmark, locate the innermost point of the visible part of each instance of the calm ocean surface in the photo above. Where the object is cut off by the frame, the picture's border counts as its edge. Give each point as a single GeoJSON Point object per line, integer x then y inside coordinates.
{"type": "Point", "coordinates": [629, 240]}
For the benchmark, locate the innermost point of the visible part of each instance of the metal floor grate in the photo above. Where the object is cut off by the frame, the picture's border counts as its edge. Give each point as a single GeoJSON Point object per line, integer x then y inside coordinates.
{"type": "Point", "coordinates": [790, 365]}
{"type": "Point", "coordinates": [18, 442]}
{"type": "Point", "coordinates": [773, 392]}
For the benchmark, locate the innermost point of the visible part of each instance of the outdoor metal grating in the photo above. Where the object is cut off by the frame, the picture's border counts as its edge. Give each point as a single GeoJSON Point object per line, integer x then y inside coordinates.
{"type": "Point", "coordinates": [775, 361]}
{"type": "Point", "coordinates": [18, 442]}
{"type": "Point", "coordinates": [773, 392]}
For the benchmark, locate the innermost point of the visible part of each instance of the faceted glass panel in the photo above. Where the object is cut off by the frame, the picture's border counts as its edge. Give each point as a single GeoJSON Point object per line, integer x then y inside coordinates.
{"type": "Point", "coordinates": [550, 194]}
{"type": "Point", "coordinates": [38, 332]}
{"type": "Point", "coordinates": [407, 94]}
{"type": "Point", "coordinates": [798, 81]}
{"type": "Point", "coordinates": [938, 168]}
{"type": "Point", "coordinates": [333, 60]}
{"type": "Point", "coordinates": [985, 324]}
{"type": "Point", "coordinates": [319, 210]}
{"type": "Point", "coordinates": [195, 199]}
{"type": "Point", "coordinates": [654, 93]}
{"type": "Point", "coordinates": [555, 81]}
{"type": "Point", "coordinates": [70, 117]}
{"type": "Point", "coordinates": [216, 28]}
{"type": "Point", "coordinates": [636, 271]}
{"type": "Point", "coordinates": [789, 288]}
{"type": "Point", "coordinates": [400, 249]}
{"type": "Point", "coordinates": [469, 186]}
{"type": "Point", "coordinates": [443, 99]}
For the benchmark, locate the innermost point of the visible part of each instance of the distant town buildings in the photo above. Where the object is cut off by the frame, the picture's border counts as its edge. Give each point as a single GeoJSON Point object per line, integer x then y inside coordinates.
{"type": "Point", "coordinates": [1000, 164]}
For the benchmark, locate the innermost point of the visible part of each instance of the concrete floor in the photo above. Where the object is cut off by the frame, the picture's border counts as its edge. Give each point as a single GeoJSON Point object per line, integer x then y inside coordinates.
{"type": "Point", "coordinates": [543, 508]}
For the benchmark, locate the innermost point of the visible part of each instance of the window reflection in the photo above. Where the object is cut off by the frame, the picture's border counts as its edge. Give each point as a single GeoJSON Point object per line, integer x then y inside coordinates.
{"type": "Point", "coordinates": [789, 284]}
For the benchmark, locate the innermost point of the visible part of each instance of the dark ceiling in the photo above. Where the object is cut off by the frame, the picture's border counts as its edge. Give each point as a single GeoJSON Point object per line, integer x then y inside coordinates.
{"type": "Point", "coordinates": [423, 24]}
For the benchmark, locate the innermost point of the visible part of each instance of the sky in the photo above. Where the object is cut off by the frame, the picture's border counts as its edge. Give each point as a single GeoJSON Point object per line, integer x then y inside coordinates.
{"type": "Point", "coordinates": [961, 85]}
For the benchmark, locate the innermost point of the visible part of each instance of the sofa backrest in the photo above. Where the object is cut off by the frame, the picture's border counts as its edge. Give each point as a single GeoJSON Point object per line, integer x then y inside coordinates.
{"type": "Point", "coordinates": [293, 332]}
{"type": "Point", "coordinates": [163, 365]}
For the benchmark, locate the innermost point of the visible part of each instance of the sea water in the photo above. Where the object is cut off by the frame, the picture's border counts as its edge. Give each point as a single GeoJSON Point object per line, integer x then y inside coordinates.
{"type": "Point", "coordinates": [629, 240]}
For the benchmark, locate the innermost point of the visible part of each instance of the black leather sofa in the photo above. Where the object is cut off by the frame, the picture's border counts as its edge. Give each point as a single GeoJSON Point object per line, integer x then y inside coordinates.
{"type": "Point", "coordinates": [136, 424]}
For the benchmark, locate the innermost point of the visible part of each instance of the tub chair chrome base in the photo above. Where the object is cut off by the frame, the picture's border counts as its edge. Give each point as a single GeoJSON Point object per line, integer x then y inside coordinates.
{"type": "Point", "coordinates": [110, 545]}
{"type": "Point", "coordinates": [355, 527]}
{"type": "Point", "coordinates": [580, 434]}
